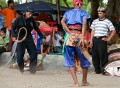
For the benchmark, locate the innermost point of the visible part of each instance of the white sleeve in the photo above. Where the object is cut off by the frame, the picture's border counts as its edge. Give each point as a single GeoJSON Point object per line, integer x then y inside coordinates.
{"type": "Point", "coordinates": [110, 26]}
{"type": "Point", "coordinates": [92, 26]}
{"type": "Point", "coordinates": [59, 36]}
{"type": "Point", "coordinates": [48, 38]}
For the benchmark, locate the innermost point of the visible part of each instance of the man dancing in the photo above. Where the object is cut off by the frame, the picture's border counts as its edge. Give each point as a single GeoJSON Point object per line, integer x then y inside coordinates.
{"type": "Point", "coordinates": [75, 23]}
{"type": "Point", "coordinates": [29, 23]}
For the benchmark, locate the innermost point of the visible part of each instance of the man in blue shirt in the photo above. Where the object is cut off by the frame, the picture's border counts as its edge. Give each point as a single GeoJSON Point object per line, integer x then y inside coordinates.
{"type": "Point", "coordinates": [75, 22]}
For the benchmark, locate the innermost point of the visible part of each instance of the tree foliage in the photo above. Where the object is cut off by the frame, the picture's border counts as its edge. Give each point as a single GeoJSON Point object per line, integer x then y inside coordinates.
{"type": "Point", "coordinates": [3, 3]}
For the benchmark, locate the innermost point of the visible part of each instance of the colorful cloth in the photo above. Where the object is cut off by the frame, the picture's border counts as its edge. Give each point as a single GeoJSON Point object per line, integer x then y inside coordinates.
{"type": "Point", "coordinates": [78, 2]}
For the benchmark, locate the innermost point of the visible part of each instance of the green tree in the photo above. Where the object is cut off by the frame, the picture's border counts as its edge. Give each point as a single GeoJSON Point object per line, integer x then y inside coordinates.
{"type": "Point", "coordinates": [3, 3]}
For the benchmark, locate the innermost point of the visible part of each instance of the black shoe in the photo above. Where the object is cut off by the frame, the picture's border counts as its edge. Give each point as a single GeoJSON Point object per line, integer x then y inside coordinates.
{"type": "Point", "coordinates": [98, 72]}
{"type": "Point", "coordinates": [21, 70]}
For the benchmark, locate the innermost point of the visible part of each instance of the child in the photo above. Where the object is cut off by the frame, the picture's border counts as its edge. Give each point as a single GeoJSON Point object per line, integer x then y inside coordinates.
{"type": "Point", "coordinates": [4, 41]}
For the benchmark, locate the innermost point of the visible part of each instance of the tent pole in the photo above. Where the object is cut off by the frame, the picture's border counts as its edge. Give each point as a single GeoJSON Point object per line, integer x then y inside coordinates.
{"type": "Point", "coordinates": [58, 10]}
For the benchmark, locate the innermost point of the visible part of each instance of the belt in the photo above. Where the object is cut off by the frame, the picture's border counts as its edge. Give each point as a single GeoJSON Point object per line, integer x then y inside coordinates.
{"type": "Point", "coordinates": [100, 37]}
{"type": "Point", "coordinates": [75, 29]}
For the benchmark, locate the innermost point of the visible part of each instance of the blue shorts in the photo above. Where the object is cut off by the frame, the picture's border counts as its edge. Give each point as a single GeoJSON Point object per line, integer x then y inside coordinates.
{"type": "Point", "coordinates": [69, 57]}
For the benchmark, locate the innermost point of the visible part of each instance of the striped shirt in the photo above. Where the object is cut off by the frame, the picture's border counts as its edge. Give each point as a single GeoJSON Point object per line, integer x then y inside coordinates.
{"type": "Point", "coordinates": [102, 27]}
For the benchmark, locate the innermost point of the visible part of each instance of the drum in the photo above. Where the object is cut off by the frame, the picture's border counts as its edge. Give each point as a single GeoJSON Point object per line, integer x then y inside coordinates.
{"type": "Point", "coordinates": [113, 68]}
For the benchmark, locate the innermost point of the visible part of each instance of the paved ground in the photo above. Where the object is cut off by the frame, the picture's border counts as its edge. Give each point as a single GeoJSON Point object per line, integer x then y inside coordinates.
{"type": "Point", "coordinates": [10, 78]}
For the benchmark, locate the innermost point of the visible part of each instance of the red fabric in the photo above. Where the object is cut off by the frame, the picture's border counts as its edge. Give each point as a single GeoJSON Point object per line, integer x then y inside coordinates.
{"type": "Point", "coordinates": [9, 28]}
{"type": "Point", "coordinates": [46, 29]}
{"type": "Point", "coordinates": [87, 36]}
{"type": "Point", "coordinates": [52, 24]}
{"type": "Point", "coordinates": [76, 26]}
{"type": "Point", "coordinates": [44, 16]}
{"type": "Point", "coordinates": [75, 2]}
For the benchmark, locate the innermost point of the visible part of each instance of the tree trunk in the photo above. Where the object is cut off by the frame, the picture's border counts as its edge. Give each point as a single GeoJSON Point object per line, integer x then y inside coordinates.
{"type": "Point", "coordinates": [94, 7]}
{"type": "Point", "coordinates": [110, 9]}
{"type": "Point", "coordinates": [58, 11]}
{"type": "Point", "coordinates": [113, 10]}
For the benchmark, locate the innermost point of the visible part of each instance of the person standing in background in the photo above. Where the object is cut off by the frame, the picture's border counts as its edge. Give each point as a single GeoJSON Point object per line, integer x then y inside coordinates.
{"type": "Point", "coordinates": [9, 13]}
{"type": "Point", "coordinates": [102, 32]}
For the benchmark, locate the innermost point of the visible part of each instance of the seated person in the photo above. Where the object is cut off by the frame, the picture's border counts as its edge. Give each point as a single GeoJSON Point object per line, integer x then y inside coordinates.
{"type": "Point", "coordinates": [58, 40]}
{"type": "Point", "coordinates": [40, 46]}
{"type": "Point", "coordinates": [4, 41]}
{"type": "Point", "coordinates": [48, 43]}
{"type": "Point", "coordinates": [42, 23]}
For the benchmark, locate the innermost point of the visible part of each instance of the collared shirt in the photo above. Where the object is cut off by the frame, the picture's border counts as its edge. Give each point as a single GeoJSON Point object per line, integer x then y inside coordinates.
{"type": "Point", "coordinates": [102, 27]}
{"type": "Point", "coordinates": [75, 16]}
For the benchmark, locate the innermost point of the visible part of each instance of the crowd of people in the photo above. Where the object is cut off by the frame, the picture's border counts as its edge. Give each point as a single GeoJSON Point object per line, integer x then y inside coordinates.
{"type": "Point", "coordinates": [74, 22]}
{"type": "Point", "coordinates": [9, 23]}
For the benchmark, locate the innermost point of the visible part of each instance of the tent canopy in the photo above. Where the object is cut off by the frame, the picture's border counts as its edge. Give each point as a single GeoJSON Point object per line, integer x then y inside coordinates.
{"type": "Point", "coordinates": [39, 6]}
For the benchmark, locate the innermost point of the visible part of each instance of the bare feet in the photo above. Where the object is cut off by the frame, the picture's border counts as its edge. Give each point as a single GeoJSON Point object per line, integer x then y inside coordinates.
{"type": "Point", "coordinates": [75, 85]}
{"type": "Point", "coordinates": [85, 84]}
{"type": "Point", "coordinates": [38, 64]}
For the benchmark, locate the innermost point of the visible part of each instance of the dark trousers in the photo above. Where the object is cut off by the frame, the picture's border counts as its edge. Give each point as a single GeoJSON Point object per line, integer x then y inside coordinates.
{"type": "Point", "coordinates": [2, 49]}
{"type": "Point", "coordinates": [99, 54]}
{"type": "Point", "coordinates": [30, 46]}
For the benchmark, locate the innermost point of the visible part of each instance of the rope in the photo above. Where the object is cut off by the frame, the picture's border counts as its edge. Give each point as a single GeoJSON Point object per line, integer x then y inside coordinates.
{"type": "Point", "coordinates": [16, 41]}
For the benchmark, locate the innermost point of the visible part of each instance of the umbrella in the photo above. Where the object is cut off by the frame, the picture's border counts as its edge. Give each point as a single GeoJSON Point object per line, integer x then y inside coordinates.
{"type": "Point", "coordinates": [39, 6]}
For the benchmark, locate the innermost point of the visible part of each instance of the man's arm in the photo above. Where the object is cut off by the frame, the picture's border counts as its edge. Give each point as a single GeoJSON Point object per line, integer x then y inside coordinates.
{"type": "Point", "coordinates": [64, 25]}
{"type": "Point", "coordinates": [91, 39]}
{"type": "Point", "coordinates": [37, 29]}
{"type": "Point", "coordinates": [113, 32]}
{"type": "Point", "coordinates": [14, 27]}
{"type": "Point", "coordinates": [84, 27]}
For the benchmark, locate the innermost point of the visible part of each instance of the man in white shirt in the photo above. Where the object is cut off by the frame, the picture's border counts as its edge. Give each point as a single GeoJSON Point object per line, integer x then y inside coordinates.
{"type": "Point", "coordinates": [102, 32]}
